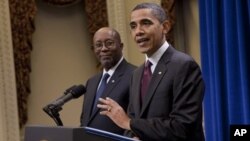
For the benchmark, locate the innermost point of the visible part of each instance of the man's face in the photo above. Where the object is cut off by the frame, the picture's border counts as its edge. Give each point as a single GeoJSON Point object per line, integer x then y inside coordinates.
{"type": "Point", "coordinates": [147, 31]}
{"type": "Point", "coordinates": [107, 48]}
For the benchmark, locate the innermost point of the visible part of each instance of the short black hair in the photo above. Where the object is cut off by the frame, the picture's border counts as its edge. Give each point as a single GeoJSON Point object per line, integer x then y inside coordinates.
{"type": "Point", "coordinates": [157, 10]}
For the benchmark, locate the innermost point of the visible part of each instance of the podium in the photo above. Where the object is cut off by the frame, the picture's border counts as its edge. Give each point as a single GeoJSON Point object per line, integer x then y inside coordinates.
{"type": "Point", "coordinates": [61, 133]}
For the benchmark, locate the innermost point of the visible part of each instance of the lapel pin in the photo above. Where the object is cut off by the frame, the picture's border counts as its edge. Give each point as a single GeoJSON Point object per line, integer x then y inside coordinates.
{"type": "Point", "coordinates": [113, 81]}
{"type": "Point", "coordinates": [160, 72]}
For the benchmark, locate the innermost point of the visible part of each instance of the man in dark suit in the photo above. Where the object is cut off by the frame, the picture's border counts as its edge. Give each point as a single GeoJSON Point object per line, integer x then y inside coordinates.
{"type": "Point", "coordinates": [166, 94]}
{"type": "Point", "coordinates": [107, 47]}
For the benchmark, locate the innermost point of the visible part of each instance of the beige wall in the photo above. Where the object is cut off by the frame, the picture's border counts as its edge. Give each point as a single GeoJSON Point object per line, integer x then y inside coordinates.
{"type": "Point", "coordinates": [61, 56]}
{"type": "Point", "coordinates": [191, 28]}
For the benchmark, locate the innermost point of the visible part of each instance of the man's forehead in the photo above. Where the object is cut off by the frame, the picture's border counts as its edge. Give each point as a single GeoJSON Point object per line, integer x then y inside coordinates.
{"type": "Point", "coordinates": [102, 36]}
{"type": "Point", "coordinates": [140, 14]}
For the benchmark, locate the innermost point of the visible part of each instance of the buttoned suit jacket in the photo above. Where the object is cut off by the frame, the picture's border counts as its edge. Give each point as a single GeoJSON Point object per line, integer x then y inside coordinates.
{"type": "Point", "coordinates": [117, 89]}
{"type": "Point", "coordinates": [172, 107]}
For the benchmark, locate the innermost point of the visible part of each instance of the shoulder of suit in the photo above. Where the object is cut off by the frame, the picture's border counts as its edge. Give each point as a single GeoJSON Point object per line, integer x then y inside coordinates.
{"type": "Point", "coordinates": [95, 76]}
{"type": "Point", "coordinates": [129, 65]}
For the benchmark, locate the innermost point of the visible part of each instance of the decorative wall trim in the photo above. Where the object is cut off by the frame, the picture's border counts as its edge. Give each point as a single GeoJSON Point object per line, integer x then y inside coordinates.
{"type": "Point", "coordinates": [117, 20]}
{"type": "Point", "coordinates": [9, 127]}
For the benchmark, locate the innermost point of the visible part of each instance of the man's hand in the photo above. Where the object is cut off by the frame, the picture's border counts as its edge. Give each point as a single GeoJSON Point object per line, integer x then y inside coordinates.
{"type": "Point", "coordinates": [115, 112]}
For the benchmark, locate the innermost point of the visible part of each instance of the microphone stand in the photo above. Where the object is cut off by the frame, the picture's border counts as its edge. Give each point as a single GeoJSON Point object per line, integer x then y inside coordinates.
{"type": "Point", "coordinates": [53, 109]}
{"type": "Point", "coordinates": [53, 112]}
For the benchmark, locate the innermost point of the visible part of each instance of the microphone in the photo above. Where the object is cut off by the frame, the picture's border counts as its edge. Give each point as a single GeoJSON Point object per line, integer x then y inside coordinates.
{"type": "Point", "coordinates": [69, 89]}
{"type": "Point", "coordinates": [71, 93]}
{"type": "Point", "coordinates": [54, 107]}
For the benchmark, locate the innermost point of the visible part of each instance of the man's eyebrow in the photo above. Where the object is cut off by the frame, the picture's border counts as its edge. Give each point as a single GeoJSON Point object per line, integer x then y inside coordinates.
{"type": "Point", "coordinates": [98, 41]}
{"type": "Point", "coordinates": [146, 19]}
{"type": "Point", "coordinates": [132, 22]}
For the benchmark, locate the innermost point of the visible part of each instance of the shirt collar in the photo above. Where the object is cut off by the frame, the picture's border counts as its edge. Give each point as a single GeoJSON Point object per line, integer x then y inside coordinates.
{"type": "Point", "coordinates": [154, 59]}
{"type": "Point", "coordinates": [112, 70]}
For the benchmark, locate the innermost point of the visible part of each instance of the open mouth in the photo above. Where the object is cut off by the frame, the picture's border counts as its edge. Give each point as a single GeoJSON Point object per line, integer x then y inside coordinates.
{"type": "Point", "coordinates": [142, 41]}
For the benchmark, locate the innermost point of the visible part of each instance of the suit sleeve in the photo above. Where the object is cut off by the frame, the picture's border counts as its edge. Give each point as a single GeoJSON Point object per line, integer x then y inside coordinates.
{"type": "Point", "coordinates": [130, 111]}
{"type": "Point", "coordinates": [186, 114]}
{"type": "Point", "coordinates": [82, 122]}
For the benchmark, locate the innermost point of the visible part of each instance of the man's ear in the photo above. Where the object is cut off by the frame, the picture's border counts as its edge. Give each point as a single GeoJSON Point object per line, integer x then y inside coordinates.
{"type": "Point", "coordinates": [92, 48]}
{"type": "Point", "coordinates": [166, 26]}
{"type": "Point", "coordinates": [121, 45]}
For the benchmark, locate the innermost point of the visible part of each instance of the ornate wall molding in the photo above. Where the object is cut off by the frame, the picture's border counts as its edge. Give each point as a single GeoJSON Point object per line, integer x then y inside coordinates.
{"type": "Point", "coordinates": [117, 20]}
{"type": "Point", "coordinates": [9, 129]}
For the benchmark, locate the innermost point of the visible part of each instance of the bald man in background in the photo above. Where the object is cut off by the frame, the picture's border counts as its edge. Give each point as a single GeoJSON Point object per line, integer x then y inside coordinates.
{"type": "Point", "coordinates": [107, 47]}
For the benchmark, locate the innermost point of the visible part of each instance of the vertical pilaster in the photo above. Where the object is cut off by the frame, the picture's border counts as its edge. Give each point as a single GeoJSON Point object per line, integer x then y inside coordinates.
{"type": "Point", "coordinates": [117, 20]}
{"type": "Point", "coordinates": [9, 128]}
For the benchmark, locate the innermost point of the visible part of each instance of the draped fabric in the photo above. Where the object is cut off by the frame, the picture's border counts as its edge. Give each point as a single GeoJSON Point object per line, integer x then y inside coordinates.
{"type": "Point", "coordinates": [96, 11]}
{"type": "Point", "coordinates": [225, 40]}
{"type": "Point", "coordinates": [169, 7]}
{"type": "Point", "coordinates": [97, 15]}
{"type": "Point", "coordinates": [61, 2]}
{"type": "Point", "coordinates": [22, 14]}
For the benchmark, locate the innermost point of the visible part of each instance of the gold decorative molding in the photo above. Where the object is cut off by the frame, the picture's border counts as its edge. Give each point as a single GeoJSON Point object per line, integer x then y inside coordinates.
{"type": "Point", "coordinates": [9, 127]}
{"type": "Point", "coordinates": [117, 20]}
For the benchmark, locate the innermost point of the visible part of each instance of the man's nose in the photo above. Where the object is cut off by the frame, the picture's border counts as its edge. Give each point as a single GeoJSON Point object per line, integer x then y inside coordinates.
{"type": "Point", "coordinates": [104, 47]}
{"type": "Point", "coordinates": [139, 31]}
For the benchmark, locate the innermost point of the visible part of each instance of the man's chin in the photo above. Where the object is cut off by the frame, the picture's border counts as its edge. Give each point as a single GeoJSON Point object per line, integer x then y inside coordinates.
{"type": "Point", "coordinates": [106, 64]}
{"type": "Point", "coordinates": [143, 50]}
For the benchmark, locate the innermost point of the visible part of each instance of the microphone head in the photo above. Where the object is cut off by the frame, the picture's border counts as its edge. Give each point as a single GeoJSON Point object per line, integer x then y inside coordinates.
{"type": "Point", "coordinates": [69, 89]}
{"type": "Point", "coordinates": [78, 91]}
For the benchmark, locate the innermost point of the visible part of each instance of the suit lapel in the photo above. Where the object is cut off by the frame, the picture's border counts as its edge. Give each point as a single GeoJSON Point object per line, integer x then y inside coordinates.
{"type": "Point", "coordinates": [114, 80]}
{"type": "Point", "coordinates": [91, 98]}
{"type": "Point", "coordinates": [137, 91]}
{"type": "Point", "coordinates": [159, 73]}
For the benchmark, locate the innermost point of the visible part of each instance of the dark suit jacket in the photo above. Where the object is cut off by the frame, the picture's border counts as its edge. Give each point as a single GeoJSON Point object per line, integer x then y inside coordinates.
{"type": "Point", "coordinates": [172, 107]}
{"type": "Point", "coordinates": [117, 89]}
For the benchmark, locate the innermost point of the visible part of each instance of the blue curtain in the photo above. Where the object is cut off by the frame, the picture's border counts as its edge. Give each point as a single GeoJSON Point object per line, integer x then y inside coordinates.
{"type": "Point", "coordinates": [225, 58]}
